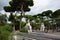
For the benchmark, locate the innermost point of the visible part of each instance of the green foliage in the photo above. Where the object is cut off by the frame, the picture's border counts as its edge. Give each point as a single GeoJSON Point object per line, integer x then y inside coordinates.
{"type": "Point", "coordinates": [19, 5]}
{"type": "Point", "coordinates": [28, 17]}
{"type": "Point", "coordinates": [17, 24]}
{"type": "Point", "coordinates": [9, 9]}
{"type": "Point", "coordinates": [5, 32]}
{"type": "Point", "coordinates": [16, 5]}
{"type": "Point", "coordinates": [3, 19]}
{"type": "Point", "coordinates": [11, 17]}
{"type": "Point", "coordinates": [7, 28]}
{"type": "Point", "coordinates": [56, 13]}
{"type": "Point", "coordinates": [4, 35]}
{"type": "Point", "coordinates": [33, 25]}
{"type": "Point", "coordinates": [24, 30]}
{"type": "Point", "coordinates": [47, 13]}
{"type": "Point", "coordinates": [23, 24]}
{"type": "Point", "coordinates": [38, 26]}
{"type": "Point", "coordinates": [46, 23]}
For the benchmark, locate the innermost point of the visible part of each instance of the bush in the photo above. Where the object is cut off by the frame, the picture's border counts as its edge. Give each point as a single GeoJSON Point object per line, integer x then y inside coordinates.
{"type": "Point", "coordinates": [33, 25]}
{"type": "Point", "coordinates": [4, 35]}
{"type": "Point", "coordinates": [38, 26]}
{"type": "Point", "coordinates": [7, 28]}
{"type": "Point", "coordinates": [5, 32]}
{"type": "Point", "coordinates": [23, 24]}
{"type": "Point", "coordinates": [24, 30]}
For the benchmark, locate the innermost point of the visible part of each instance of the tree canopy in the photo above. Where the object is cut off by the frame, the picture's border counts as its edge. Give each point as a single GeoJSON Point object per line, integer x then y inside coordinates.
{"type": "Point", "coordinates": [56, 13]}
{"type": "Point", "coordinates": [16, 5]}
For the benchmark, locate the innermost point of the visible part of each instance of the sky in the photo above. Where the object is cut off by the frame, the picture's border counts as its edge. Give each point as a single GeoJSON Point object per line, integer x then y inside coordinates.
{"type": "Point", "coordinates": [39, 6]}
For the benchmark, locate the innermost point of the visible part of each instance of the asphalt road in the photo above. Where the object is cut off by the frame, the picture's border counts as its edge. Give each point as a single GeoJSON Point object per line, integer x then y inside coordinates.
{"type": "Point", "coordinates": [37, 36]}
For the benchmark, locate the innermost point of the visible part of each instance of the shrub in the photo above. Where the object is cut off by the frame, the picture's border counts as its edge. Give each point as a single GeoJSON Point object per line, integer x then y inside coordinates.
{"type": "Point", "coordinates": [5, 32]}
{"type": "Point", "coordinates": [24, 30]}
{"type": "Point", "coordinates": [4, 35]}
{"type": "Point", "coordinates": [23, 24]}
{"type": "Point", "coordinates": [7, 28]}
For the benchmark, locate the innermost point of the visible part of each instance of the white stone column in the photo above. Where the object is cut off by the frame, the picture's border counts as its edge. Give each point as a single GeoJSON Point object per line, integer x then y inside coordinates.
{"type": "Point", "coordinates": [28, 27]}
{"type": "Point", "coordinates": [42, 27]}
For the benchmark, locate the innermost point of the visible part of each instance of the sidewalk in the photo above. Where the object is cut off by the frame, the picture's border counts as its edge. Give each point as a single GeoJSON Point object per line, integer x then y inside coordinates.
{"type": "Point", "coordinates": [53, 35]}
{"type": "Point", "coordinates": [49, 35]}
{"type": "Point", "coordinates": [41, 34]}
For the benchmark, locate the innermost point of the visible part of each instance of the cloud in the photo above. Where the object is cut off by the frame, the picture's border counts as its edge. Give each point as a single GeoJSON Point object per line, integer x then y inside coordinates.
{"type": "Point", "coordinates": [53, 5]}
{"type": "Point", "coordinates": [3, 12]}
{"type": "Point", "coordinates": [41, 5]}
{"type": "Point", "coordinates": [3, 3]}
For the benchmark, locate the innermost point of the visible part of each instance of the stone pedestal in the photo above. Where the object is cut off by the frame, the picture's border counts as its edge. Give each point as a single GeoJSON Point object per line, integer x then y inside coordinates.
{"type": "Point", "coordinates": [28, 27]}
{"type": "Point", "coordinates": [42, 27]}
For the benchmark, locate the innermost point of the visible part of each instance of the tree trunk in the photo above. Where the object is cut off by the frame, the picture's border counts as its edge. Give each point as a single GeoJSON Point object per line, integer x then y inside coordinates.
{"type": "Point", "coordinates": [21, 15]}
{"type": "Point", "coordinates": [13, 26]}
{"type": "Point", "coordinates": [48, 24]}
{"type": "Point", "coordinates": [20, 21]}
{"type": "Point", "coordinates": [56, 27]}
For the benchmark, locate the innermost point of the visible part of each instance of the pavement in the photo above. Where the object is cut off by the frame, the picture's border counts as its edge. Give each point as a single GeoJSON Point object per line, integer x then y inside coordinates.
{"type": "Point", "coordinates": [55, 35]}
{"type": "Point", "coordinates": [38, 36]}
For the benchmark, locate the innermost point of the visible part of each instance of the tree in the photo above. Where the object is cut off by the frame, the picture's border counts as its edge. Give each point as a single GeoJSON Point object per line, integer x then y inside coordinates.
{"type": "Point", "coordinates": [41, 19]}
{"type": "Point", "coordinates": [48, 14]}
{"type": "Point", "coordinates": [19, 5]}
{"type": "Point", "coordinates": [40, 16]}
{"type": "Point", "coordinates": [3, 19]}
{"type": "Point", "coordinates": [56, 13]}
{"type": "Point", "coordinates": [36, 21]}
{"type": "Point", "coordinates": [35, 17]}
{"type": "Point", "coordinates": [12, 19]}
{"type": "Point", "coordinates": [56, 17]}
{"type": "Point", "coordinates": [30, 17]}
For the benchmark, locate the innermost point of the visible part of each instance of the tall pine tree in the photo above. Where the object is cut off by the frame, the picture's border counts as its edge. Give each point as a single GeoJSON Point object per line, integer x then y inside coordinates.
{"type": "Point", "coordinates": [19, 5]}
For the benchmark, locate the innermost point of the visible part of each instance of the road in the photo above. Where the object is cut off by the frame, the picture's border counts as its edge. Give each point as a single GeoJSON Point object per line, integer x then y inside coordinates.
{"type": "Point", "coordinates": [38, 36]}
